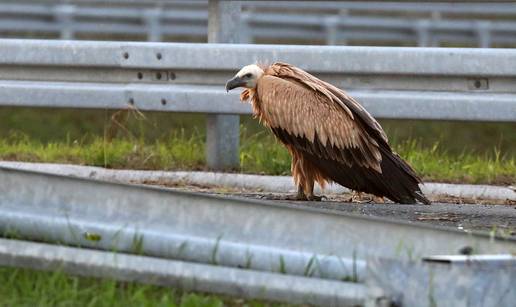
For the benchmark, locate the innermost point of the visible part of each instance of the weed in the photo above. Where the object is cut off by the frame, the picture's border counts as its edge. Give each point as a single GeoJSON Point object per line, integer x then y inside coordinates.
{"type": "Point", "coordinates": [309, 270]}
{"type": "Point", "coordinates": [25, 287]}
{"type": "Point", "coordinates": [355, 271]}
{"type": "Point", "coordinates": [282, 265]}
{"type": "Point", "coordinates": [215, 251]}
{"type": "Point", "coordinates": [92, 236]}
{"type": "Point", "coordinates": [137, 244]}
{"type": "Point", "coordinates": [248, 260]}
{"type": "Point", "coordinates": [181, 249]}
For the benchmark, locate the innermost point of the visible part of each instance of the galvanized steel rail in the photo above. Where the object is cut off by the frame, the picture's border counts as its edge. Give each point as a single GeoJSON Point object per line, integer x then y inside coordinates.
{"type": "Point", "coordinates": [413, 83]}
{"type": "Point", "coordinates": [325, 22]}
{"type": "Point", "coordinates": [432, 83]}
{"type": "Point", "coordinates": [184, 275]}
{"type": "Point", "coordinates": [235, 243]}
{"type": "Point", "coordinates": [233, 232]}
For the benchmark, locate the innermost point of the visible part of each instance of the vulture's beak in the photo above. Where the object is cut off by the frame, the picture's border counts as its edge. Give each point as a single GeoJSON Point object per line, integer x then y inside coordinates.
{"type": "Point", "coordinates": [234, 83]}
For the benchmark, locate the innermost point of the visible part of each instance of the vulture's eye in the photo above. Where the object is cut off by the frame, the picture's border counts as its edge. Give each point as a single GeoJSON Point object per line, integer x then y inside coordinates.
{"type": "Point", "coordinates": [249, 75]}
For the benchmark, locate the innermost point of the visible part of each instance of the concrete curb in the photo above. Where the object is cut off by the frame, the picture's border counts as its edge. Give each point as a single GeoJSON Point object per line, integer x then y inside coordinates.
{"type": "Point", "coordinates": [245, 181]}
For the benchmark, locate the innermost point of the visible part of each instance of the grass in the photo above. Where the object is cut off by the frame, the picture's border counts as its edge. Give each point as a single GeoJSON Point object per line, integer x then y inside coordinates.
{"type": "Point", "coordinates": [259, 153]}
{"type": "Point", "coordinates": [439, 151]}
{"type": "Point", "coordinates": [58, 125]}
{"type": "Point", "coordinates": [24, 287]}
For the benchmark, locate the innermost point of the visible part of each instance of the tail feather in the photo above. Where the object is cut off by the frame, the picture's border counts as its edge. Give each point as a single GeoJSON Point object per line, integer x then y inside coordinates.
{"type": "Point", "coordinates": [419, 196]}
{"type": "Point", "coordinates": [400, 179]}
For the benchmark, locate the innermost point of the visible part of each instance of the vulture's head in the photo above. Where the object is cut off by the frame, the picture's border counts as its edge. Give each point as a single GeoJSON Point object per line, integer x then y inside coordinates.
{"type": "Point", "coordinates": [247, 77]}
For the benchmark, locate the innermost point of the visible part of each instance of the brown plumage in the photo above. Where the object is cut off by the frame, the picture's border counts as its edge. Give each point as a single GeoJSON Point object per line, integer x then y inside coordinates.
{"type": "Point", "coordinates": [330, 136]}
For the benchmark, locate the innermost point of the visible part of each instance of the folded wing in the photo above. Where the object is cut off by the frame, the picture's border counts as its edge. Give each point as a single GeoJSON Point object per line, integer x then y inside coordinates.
{"type": "Point", "coordinates": [334, 132]}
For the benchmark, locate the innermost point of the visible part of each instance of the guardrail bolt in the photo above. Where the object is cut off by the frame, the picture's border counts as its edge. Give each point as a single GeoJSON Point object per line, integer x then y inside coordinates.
{"type": "Point", "coordinates": [172, 76]}
{"type": "Point", "coordinates": [126, 55]}
{"type": "Point", "coordinates": [163, 101]}
{"type": "Point", "coordinates": [158, 56]}
{"type": "Point", "coordinates": [140, 75]}
{"type": "Point", "coordinates": [158, 75]}
{"type": "Point", "coordinates": [131, 101]}
{"type": "Point", "coordinates": [478, 84]}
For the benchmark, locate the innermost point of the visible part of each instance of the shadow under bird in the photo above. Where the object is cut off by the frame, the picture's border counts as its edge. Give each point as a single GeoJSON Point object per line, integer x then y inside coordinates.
{"type": "Point", "coordinates": [329, 135]}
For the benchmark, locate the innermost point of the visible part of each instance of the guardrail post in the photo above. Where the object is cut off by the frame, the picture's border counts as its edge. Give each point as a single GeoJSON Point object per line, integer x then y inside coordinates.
{"type": "Point", "coordinates": [331, 25]}
{"type": "Point", "coordinates": [246, 33]}
{"type": "Point", "coordinates": [222, 130]}
{"type": "Point", "coordinates": [423, 33]}
{"type": "Point", "coordinates": [64, 16]}
{"type": "Point", "coordinates": [152, 21]}
{"type": "Point", "coordinates": [483, 29]}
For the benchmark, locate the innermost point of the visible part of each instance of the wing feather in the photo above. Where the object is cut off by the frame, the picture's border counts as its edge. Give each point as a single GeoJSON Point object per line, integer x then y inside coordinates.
{"type": "Point", "coordinates": [310, 111]}
{"type": "Point", "coordinates": [338, 96]}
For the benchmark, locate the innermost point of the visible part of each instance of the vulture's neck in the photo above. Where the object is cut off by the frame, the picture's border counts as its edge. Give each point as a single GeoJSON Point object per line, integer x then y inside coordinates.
{"type": "Point", "coordinates": [250, 95]}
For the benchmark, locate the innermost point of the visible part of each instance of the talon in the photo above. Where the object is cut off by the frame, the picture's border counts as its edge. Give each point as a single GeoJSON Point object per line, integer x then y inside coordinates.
{"type": "Point", "coordinates": [357, 197]}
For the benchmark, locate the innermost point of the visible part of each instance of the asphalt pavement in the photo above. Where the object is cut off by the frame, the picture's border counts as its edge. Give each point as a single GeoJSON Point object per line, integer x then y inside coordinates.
{"type": "Point", "coordinates": [499, 219]}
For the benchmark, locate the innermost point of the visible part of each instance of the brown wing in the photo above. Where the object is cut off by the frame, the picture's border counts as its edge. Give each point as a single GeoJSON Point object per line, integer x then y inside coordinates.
{"type": "Point", "coordinates": [303, 112]}
{"type": "Point", "coordinates": [336, 95]}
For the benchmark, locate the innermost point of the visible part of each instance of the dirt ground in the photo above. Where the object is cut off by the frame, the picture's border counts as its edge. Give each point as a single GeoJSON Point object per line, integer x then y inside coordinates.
{"type": "Point", "coordinates": [495, 217]}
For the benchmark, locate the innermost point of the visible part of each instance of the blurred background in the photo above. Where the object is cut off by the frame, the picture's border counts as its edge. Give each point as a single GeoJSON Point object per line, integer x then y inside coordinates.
{"type": "Point", "coordinates": [51, 134]}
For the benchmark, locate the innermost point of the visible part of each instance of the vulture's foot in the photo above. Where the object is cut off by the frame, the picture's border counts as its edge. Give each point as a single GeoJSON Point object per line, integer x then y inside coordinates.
{"type": "Point", "coordinates": [362, 198]}
{"type": "Point", "coordinates": [356, 197]}
{"type": "Point", "coordinates": [303, 197]}
{"type": "Point", "coordinates": [316, 198]}
{"type": "Point", "coordinates": [300, 194]}
{"type": "Point", "coordinates": [311, 197]}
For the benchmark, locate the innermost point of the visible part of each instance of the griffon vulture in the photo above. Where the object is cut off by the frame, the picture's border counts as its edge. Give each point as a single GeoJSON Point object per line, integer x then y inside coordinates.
{"type": "Point", "coordinates": [329, 135]}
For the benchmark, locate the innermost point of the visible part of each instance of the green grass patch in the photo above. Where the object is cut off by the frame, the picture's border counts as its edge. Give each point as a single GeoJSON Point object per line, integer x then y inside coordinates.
{"type": "Point", "coordinates": [437, 164]}
{"type": "Point", "coordinates": [24, 287]}
{"type": "Point", "coordinates": [259, 153]}
{"type": "Point", "coordinates": [58, 125]}
{"type": "Point", "coordinates": [178, 151]}
{"type": "Point", "coordinates": [439, 151]}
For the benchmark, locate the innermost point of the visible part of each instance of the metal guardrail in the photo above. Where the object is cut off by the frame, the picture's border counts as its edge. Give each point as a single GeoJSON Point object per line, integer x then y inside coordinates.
{"type": "Point", "coordinates": [216, 240]}
{"type": "Point", "coordinates": [331, 23]}
{"type": "Point", "coordinates": [464, 84]}
{"type": "Point", "coordinates": [414, 83]}
{"type": "Point", "coordinates": [267, 184]}
{"type": "Point", "coordinates": [185, 275]}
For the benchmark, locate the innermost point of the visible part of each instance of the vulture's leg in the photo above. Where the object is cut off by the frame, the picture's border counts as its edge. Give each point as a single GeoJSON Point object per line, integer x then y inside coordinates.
{"type": "Point", "coordinates": [304, 176]}
{"type": "Point", "coordinates": [299, 175]}
{"type": "Point", "coordinates": [309, 190]}
{"type": "Point", "coordinates": [301, 193]}
{"type": "Point", "coordinates": [310, 196]}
